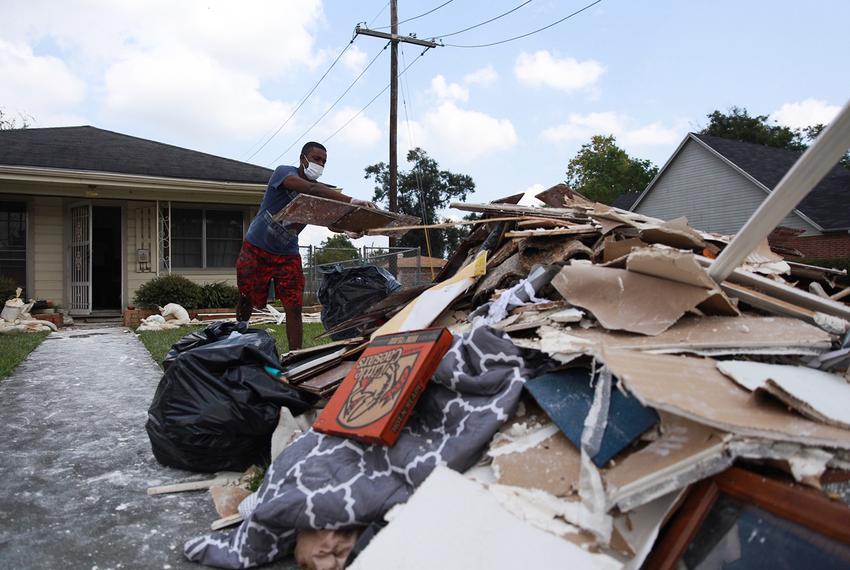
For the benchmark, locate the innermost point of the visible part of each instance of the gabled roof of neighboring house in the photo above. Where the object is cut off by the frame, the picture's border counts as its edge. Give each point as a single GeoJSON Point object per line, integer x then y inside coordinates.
{"type": "Point", "coordinates": [826, 206]}
{"type": "Point", "coordinates": [91, 149]}
{"type": "Point", "coordinates": [625, 200]}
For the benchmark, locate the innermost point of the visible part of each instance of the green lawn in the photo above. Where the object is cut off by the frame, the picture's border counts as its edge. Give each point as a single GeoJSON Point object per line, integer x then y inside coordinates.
{"type": "Point", "coordinates": [15, 347]}
{"type": "Point", "coordinates": [159, 342]}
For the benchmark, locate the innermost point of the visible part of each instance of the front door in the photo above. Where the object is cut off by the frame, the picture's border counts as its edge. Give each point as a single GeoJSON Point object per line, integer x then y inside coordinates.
{"type": "Point", "coordinates": [106, 259]}
{"type": "Point", "coordinates": [80, 259]}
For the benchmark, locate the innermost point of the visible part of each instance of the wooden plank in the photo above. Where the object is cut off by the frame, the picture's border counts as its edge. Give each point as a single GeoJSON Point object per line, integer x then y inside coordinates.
{"type": "Point", "coordinates": [572, 214]}
{"type": "Point", "coordinates": [567, 231]}
{"type": "Point", "coordinates": [452, 224]}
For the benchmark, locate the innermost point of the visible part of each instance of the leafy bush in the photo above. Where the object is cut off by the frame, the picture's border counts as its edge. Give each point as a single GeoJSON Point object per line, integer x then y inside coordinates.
{"type": "Point", "coordinates": [7, 289]}
{"type": "Point", "coordinates": [219, 296]}
{"type": "Point", "coordinates": [169, 289]}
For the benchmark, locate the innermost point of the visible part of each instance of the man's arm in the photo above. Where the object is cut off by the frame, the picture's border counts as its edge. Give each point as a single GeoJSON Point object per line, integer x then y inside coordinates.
{"type": "Point", "coordinates": [298, 184]}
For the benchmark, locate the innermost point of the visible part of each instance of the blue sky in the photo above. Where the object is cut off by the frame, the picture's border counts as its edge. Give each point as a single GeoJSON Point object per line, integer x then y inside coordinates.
{"type": "Point", "coordinates": [220, 76]}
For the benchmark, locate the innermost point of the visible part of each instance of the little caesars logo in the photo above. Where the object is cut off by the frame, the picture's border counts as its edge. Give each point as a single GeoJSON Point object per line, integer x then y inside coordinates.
{"type": "Point", "coordinates": [379, 382]}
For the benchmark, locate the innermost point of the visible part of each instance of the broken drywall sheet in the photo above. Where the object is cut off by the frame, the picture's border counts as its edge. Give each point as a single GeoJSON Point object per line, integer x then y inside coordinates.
{"type": "Point", "coordinates": [339, 216]}
{"type": "Point", "coordinates": [695, 389]}
{"type": "Point", "coordinates": [816, 394]}
{"type": "Point", "coordinates": [674, 233]}
{"type": "Point", "coordinates": [614, 249]}
{"type": "Point", "coordinates": [425, 308]}
{"type": "Point", "coordinates": [626, 300]}
{"type": "Point", "coordinates": [806, 464]}
{"type": "Point", "coordinates": [482, 534]}
{"type": "Point", "coordinates": [683, 453]}
{"type": "Point", "coordinates": [542, 459]}
{"type": "Point", "coordinates": [681, 267]}
{"type": "Point", "coordinates": [639, 528]}
{"type": "Point", "coordinates": [567, 396]}
{"type": "Point", "coordinates": [712, 335]}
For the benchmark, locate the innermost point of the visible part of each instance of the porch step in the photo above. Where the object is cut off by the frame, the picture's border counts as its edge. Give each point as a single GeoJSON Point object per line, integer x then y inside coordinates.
{"type": "Point", "coordinates": [98, 321]}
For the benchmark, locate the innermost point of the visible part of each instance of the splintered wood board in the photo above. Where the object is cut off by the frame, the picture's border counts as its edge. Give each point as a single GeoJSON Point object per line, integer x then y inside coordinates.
{"type": "Point", "coordinates": [306, 209]}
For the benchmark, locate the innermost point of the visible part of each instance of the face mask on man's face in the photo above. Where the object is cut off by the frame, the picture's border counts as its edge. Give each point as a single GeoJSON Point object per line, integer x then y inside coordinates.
{"type": "Point", "coordinates": [312, 171]}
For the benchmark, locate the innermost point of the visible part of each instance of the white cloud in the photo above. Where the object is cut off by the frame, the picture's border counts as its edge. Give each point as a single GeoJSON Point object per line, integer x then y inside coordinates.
{"type": "Point", "coordinates": [567, 74]}
{"type": "Point", "coordinates": [450, 91]}
{"type": "Point", "coordinates": [39, 86]}
{"type": "Point", "coordinates": [483, 76]}
{"type": "Point", "coordinates": [581, 127]}
{"type": "Point", "coordinates": [528, 198]}
{"type": "Point", "coordinates": [361, 133]}
{"type": "Point", "coordinates": [242, 35]}
{"type": "Point", "coordinates": [805, 113]}
{"type": "Point", "coordinates": [354, 59]}
{"type": "Point", "coordinates": [467, 134]}
{"type": "Point", "coordinates": [211, 101]}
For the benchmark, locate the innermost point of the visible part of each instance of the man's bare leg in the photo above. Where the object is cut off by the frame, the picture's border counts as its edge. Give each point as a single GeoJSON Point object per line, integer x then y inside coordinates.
{"type": "Point", "coordinates": [294, 328]}
{"type": "Point", "coordinates": [244, 308]}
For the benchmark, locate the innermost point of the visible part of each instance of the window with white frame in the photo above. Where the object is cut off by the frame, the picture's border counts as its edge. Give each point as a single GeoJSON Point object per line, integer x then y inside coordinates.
{"type": "Point", "coordinates": [205, 237]}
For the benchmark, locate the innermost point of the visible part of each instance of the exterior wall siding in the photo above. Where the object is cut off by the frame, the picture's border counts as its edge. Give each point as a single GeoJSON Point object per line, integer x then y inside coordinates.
{"type": "Point", "coordinates": [46, 222]}
{"type": "Point", "coordinates": [709, 192]}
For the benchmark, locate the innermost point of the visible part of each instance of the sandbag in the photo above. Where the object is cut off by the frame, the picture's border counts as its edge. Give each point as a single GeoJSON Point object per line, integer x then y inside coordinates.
{"type": "Point", "coordinates": [215, 407]}
{"type": "Point", "coordinates": [348, 292]}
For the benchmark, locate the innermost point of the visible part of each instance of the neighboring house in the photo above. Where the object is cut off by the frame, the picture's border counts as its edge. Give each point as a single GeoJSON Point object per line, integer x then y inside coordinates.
{"type": "Point", "coordinates": [413, 271]}
{"type": "Point", "coordinates": [718, 183]}
{"type": "Point", "coordinates": [88, 215]}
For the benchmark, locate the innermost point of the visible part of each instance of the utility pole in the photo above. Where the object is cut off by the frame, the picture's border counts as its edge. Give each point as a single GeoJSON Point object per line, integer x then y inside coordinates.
{"type": "Point", "coordinates": [394, 39]}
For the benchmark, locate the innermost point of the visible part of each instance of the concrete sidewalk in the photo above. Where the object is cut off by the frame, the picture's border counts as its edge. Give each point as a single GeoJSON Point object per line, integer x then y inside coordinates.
{"type": "Point", "coordinates": [76, 461]}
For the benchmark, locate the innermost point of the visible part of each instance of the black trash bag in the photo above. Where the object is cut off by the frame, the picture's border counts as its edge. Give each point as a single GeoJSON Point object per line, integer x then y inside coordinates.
{"type": "Point", "coordinates": [346, 293]}
{"type": "Point", "coordinates": [216, 407]}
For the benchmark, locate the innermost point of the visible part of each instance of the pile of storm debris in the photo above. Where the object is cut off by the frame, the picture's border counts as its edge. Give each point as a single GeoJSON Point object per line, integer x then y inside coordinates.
{"type": "Point", "coordinates": [604, 403]}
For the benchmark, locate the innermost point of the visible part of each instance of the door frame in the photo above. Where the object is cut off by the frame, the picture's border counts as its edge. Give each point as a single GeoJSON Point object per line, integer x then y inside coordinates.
{"type": "Point", "coordinates": [122, 205]}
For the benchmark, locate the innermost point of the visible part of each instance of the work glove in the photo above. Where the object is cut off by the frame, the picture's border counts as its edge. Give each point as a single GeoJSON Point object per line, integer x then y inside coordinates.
{"type": "Point", "coordinates": [363, 203]}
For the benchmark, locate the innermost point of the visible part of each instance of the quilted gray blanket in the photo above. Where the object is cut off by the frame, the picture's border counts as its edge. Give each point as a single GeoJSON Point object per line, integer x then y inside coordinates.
{"type": "Point", "coordinates": [322, 481]}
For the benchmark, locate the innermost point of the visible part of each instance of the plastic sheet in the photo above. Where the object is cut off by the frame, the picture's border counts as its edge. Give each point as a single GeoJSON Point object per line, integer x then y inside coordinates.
{"type": "Point", "coordinates": [215, 408]}
{"type": "Point", "coordinates": [348, 292]}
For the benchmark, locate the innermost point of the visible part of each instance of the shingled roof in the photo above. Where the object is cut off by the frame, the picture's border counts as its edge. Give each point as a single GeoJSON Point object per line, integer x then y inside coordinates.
{"type": "Point", "coordinates": [92, 149]}
{"type": "Point", "coordinates": [826, 205]}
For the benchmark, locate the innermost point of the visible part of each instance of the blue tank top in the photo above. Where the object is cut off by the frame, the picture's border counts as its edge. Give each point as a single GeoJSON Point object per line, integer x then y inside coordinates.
{"type": "Point", "coordinates": [264, 232]}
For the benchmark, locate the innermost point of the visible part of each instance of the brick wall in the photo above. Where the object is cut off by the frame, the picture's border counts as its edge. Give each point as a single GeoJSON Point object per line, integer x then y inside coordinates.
{"type": "Point", "coordinates": [827, 246]}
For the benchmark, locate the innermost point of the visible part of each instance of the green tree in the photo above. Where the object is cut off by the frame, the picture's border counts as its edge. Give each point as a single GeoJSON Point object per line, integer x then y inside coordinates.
{"type": "Point", "coordinates": [8, 123]}
{"type": "Point", "coordinates": [739, 125]}
{"type": "Point", "coordinates": [422, 192]}
{"type": "Point", "coordinates": [335, 249]}
{"type": "Point", "coordinates": [601, 170]}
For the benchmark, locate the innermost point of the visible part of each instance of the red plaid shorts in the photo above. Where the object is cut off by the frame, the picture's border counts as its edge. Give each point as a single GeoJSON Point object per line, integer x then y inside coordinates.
{"type": "Point", "coordinates": [255, 268]}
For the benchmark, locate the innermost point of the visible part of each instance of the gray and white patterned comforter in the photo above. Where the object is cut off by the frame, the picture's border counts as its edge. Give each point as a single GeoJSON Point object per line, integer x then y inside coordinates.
{"type": "Point", "coordinates": [322, 481]}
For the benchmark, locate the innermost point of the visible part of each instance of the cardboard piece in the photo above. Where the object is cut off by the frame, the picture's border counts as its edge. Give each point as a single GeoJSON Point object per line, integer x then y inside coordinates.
{"type": "Point", "coordinates": [425, 308]}
{"type": "Point", "coordinates": [685, 452]}
{"type": "Point", "coordinates": [482, 534]}
{"type": "Point", "coordinates": [814, 393]}
{"type": "Point", "coordinates": [674, 233]}
{"type": "Point", "coordinates": [693, 388]}
{"type": "Point", "coordinates": [567, 396]}
{"type": "Point", "coordinates": [339, 216]}
{"type": "Point", "coordinates": [378, 395]}
{"type": "Point", "coordinates": [682, 268]}
{"type": "Point", "coordinates": [714, 336]}
{"type": "Point", "coordinates": [626, 300]}
{"type": "Point", "coordinates": [613, 249]}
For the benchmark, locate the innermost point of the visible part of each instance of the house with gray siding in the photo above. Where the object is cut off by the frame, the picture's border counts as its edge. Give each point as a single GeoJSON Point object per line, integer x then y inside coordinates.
{"type": "Point", "coordinates": [719, 183]}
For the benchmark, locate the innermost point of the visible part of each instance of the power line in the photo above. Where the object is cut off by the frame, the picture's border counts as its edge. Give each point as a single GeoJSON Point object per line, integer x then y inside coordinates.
{"type": "Point", "coordinates": [329, 109]}
{"type": "Point", "coordinates": [366, 106]}
{"type": "Point", "coordinates": [529, 33]}
{"type": "Point", "coordinates": [303, 100]}
{"type": "Point", "coordinates": [417, 17]}
{"type": "Point", "coordinates": [514, 9]}
{"type": "Point", "coordinates": [378, 15]}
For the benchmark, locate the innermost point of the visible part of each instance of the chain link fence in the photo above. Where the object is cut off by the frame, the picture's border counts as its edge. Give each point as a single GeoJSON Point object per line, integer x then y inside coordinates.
{"type": "Point", "coordinates": [405, 263]}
